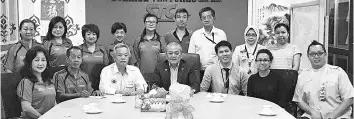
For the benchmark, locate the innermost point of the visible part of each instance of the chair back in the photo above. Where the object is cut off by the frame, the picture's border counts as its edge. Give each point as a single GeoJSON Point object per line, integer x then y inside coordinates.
{"type": "Point", "coordinates": [11, 102]}
{"type": "Point", "coordinates": [290, 80]}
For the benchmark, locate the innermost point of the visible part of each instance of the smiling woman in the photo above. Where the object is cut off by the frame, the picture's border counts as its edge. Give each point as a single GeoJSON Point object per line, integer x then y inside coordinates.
{"type": "Point", "coordinates": [35, 91]}
{"type": "Point", "coordinates": [148, 46]}
{"type": "Point", "coordinates": [56, 43]}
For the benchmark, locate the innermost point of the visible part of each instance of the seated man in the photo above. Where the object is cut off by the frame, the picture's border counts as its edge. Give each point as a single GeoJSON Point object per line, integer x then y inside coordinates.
{"type": "Point", "coordinates": [324, 91]}
{"type": "Point", "coordinates": [175, 70]}
{"type": "Point", "coordinates": [71, 82]}
{"type": "Point", "coordinates": [120, 78]}
{"type": "Point", "coordinates": [224, 76]}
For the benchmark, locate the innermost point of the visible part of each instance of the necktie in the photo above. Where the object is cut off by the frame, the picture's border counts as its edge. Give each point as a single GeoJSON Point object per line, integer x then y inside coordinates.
{"type": "Point", "coordinates": [226, 84]}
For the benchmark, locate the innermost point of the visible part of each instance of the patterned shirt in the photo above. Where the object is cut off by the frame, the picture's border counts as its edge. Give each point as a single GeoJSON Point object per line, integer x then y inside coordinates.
{"type": "Point", "coordinates": [40, 95]}
{"type": "Point", "coordinates": [16, 54]}
{"type": "Point", "coordinates": [57, 52]}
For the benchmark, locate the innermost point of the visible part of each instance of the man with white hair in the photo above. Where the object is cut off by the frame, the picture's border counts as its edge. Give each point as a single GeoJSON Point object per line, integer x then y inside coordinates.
{"type": "Point", "coordinates": [175, 70]}
{"type": "Point", "coordinates": [120, 78]}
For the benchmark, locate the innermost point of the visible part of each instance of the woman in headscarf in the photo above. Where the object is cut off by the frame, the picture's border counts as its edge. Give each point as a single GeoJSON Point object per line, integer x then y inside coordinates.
{"type": "Point", "coordinates": [244, 55]}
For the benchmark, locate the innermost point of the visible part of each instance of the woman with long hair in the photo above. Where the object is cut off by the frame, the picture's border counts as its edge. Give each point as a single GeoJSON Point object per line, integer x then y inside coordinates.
{"type": "Point", "coordinates": [17, 52]}
{"type": "Point", "coordinates": [36, 92]}
{"type": "Point", "coordinates": [148, 46]}
{"type": "Point", "coordinates": [56, 43]}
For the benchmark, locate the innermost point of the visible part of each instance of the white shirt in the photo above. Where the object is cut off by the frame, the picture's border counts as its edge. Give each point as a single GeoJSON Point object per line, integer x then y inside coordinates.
{"type": "Point", "coordinates": [337, 88]}
{"type": "Point", "coordinates": [199, 44]}
{"type": "Point", "coordinates": [113, 80]}
{"type": "Point", "coordinates": [174, 74]}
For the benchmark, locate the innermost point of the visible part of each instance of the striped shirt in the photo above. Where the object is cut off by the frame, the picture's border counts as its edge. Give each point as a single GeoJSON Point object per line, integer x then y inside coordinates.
{"type": "Point", "coordinates": [284, 57]}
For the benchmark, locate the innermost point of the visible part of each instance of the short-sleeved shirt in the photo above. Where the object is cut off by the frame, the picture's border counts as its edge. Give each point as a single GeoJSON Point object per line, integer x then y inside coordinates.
{"type": "Point", "coordinates": [184, 42]}
{"type": "Point", "coordinates": [57, 52]}
{"type": "Point", "coordinates": [215, 77]}
{"type": "Point", "coordinates": [112, 79]}
{"type": "Point", "coordinates": [16, 54]}
{"type": "Point", "coordinates": [330, 81]}
{"type": "Point", "coordinates": [203, 44]}
{"type": "Point", "coordinates": [65, 82]}
{"type": "Point", "coordinates": [240, 57]}
{"type": "Point", "coordinates": [40, 95]}
{"type": "Point", "coordinates": [110, 51]}
{"type": "Point", "coordinates": [284, 57]}
{"type": "Point", "coordinates": [147, 53]}
{"type": "Point", "coordinates": [92, 59]}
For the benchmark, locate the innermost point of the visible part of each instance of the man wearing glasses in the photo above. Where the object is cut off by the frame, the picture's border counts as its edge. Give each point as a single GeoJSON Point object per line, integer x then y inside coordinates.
{"type": "Point", "coordinates": [202, 40]}
{"type": "Point", "coordinates": [224, 76]}
{"type": "Point", "coordinates": [324, 91]}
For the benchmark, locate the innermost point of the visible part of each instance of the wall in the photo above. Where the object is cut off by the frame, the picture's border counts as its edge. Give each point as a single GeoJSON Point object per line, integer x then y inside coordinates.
{"type": "Point", "coordinates": [231, 16]}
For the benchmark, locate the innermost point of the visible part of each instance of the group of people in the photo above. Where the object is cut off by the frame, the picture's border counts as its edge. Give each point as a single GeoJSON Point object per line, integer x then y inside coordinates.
{"type": "Point", "coordinates": [56, 71]}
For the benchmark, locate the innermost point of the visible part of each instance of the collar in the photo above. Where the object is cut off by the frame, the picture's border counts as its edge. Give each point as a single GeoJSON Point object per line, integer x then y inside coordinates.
{"type": "Point", "coordinates": [115, 68]}
{"type": "Point", "coordinates": [33, 43]}
{"type": "Point", "coordinates": [116, 42]}
{"type": "Point", "coordinates": [230, 66]}
{"type": "Point", "coordinates": [212, 30]}
{"type": "Point", "coordinates": [185, 35]}
{"type": "Point", "coordinates": [320, 69]}
{"type": "Point", "coordinates": [169, 64]}
{"type": "Point", "coordinates": [72, 75]}
{"type": "Point", "coordinates": [85, 48]}
{"type": "Point", "coordinates": [65, 42]}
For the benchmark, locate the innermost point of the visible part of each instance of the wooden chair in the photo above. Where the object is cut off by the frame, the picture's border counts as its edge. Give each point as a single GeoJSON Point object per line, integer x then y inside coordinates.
{"type": "Point", "coordinates": [11, 103]}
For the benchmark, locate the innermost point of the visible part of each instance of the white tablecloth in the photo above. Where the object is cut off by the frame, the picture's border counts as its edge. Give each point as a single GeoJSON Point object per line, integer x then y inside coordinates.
{"type": "Point", "coordinates": [234, 107]}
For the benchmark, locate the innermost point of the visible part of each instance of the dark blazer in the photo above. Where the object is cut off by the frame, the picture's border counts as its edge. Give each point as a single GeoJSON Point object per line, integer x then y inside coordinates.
{"type": "Point", "coordinates": [186, 75]}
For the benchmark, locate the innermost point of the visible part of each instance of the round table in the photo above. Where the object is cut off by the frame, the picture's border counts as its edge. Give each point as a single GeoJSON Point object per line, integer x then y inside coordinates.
{"type": "Point", "coordinates": [234, 107]}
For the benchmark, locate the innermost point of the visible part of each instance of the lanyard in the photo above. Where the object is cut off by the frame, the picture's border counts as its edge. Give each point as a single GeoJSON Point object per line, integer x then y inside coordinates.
{"type": "Point", "coordinates": [254, 51]}
{"type": "Point", "coordinates": [210, 39]}
{"type": "Point", "coordinates": [226, 79]}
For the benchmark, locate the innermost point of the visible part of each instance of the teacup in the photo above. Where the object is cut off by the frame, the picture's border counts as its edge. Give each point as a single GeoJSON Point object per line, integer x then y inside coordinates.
{"type": "Point", "coordinates": [267, 109]}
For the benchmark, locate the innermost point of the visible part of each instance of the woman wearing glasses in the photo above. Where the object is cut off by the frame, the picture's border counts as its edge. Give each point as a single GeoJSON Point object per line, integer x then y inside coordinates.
{"type": "Point", "coordinates": [286, 62]}
{"type": "Point", "coordinates": [244, 54]}
{"type": "Point", "coordinates": [148, 46]}
{"type": "Point", "coordinates": [266, 84]}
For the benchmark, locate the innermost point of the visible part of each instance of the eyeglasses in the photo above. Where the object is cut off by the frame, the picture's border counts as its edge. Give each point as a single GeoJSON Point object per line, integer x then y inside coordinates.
{"type": "Point", "coordinates": [252, 34]}
{"type": "Point", "coordinates": [207, 17]}
{"type": "Point", "coordinates": [313, 54]}
{"type": "Point", "coordinates": [262, 60]}
{"type": "Point", "coordinates": [151, 22]}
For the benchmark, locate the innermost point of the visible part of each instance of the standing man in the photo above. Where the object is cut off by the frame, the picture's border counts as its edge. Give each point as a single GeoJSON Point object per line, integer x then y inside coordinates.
{"type": "Point", "coordinates": [181, 34]}
{"type": "Point", "coordinates": [324, 91]}
{"type": "Point", "coordinates": [175, 70]}
{"type": "Point", "coordinates": [203, 40]}
{"type": "Point", "coordinates": [224, 76]}
{"type": "Point", "coordinates": [71, 82]}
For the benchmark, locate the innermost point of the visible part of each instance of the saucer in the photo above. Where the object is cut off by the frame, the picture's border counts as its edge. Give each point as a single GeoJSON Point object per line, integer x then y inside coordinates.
{"type": "Point", "coordinates": [267, 113]}
{"type": "Point", "coordinates": [118, 101]}
{"type": "Point", "coordinates": [93, 111]}
{"type": "Point", "coordinates": [217, 100]}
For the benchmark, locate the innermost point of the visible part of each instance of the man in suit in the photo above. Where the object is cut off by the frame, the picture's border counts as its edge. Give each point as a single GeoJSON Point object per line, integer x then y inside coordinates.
{"type": "Point", "coordinates": [175, 70]}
